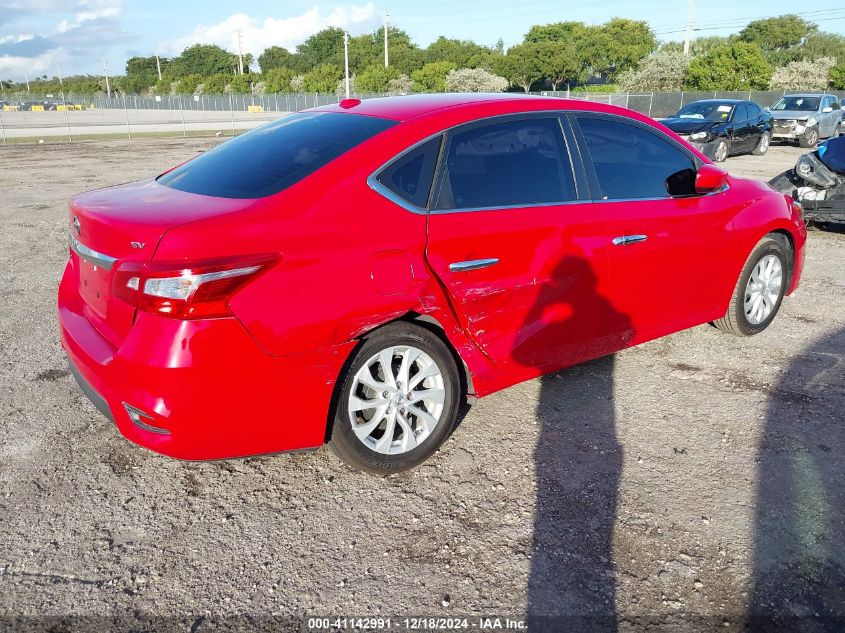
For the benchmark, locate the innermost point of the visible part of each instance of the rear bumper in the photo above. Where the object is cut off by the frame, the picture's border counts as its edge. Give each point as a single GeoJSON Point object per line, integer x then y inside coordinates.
{"type": "Point", "coordinates": [204, 388]}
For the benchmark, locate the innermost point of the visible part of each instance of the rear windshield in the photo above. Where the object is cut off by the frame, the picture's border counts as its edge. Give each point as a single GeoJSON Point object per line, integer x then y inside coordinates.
{"type": "Point", "coordinates": [274, 156]}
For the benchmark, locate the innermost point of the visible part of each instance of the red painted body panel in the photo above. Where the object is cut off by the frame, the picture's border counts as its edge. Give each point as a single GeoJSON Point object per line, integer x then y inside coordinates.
{"type": "Point", "coordinates": [350, 260]}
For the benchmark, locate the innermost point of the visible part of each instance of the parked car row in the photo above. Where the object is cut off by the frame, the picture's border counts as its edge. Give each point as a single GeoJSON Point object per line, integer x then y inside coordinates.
{"type": "Point", "coordinates": [722, 127]}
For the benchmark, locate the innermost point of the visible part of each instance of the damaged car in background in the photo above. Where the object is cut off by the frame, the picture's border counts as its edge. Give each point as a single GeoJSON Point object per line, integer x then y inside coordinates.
{"type": "Point", "coordinates": [719, 128]}
{"type": "Point", "coordinates": [806, 118]}
{"type": "Point", "coordinates": [818, 182]}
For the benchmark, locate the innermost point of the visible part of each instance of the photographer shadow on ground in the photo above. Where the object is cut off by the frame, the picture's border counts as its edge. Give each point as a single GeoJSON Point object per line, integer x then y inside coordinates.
{"type": "Point", "coordinates": [578, 459]}
{"type": "Point", "coordinates": [799, 532]}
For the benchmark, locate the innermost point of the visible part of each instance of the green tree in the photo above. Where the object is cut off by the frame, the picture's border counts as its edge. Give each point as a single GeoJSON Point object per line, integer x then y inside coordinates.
{"type": "Point", "coordinates": [820, 44]}
{"type": "Point", "coordinates": [628, 42]}
{"type": "Point", "coordinates": [322, 78]}
{"type": "Point", "coordinates": [558, 62]}
{"type": "Point", "coordinates": [698, 46]}
{"type": "Point", "coordinates": [203, 59]}
{"type": "Point", "coordinates": [240, 84]}
{"type": "Point", "coordinates": [432, 76]}
{"type": "Point", "coordinates": [375, 78]}
{"type": "Point", "coordinates": [522, 65]}
{"type": "Point", "coordinates": [142, 73]}
{"type": "Point", "coordinates": [779, 38]}
{"type": "Point", "coordinates": [216, 84]}
{"type": "Point", "coordinates": [278, 57]}
{"type": "Point", "coordinates": [837, 76]}
{"type": "Point", "coordinates": [737, 66]}
{"type": "Point", "coordinates": [278, 80]}
{"type": "Point", "coordinates": [324, 47]}
{"type": "Point", "coordinates": [459, 52]}
{"type": "Point", "coordinates": [187, 85]}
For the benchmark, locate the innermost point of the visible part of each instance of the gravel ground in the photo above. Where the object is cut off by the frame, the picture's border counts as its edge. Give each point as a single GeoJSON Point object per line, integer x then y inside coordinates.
{"type": "Point", "coordinates": [680, 485]}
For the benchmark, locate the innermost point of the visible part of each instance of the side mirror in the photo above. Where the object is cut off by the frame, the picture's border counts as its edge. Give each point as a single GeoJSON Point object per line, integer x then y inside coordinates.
{"type": "Point", "coordinates": [827, 109]}
{"type": "Point", "coordinates": [710, 178]}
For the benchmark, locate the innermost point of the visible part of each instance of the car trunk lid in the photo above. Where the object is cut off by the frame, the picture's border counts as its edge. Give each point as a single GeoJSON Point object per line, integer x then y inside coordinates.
{"type": "Point", "coordinates": [117, 225]}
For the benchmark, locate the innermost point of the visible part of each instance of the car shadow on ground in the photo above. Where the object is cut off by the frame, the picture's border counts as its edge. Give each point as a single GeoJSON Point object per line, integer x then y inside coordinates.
{"type": "Point", "coordinates": [799, 535]}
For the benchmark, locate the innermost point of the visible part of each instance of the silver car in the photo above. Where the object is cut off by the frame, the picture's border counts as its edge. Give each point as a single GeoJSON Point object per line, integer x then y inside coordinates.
{"type": "Point", "coordinates": [806, 118]}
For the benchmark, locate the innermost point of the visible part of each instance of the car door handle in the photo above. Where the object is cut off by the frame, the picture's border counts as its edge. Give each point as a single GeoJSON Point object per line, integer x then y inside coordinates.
{"type": "Point", "coordinates": [624, 240]}
{"type": "Point", "coordinates": [473, 264]}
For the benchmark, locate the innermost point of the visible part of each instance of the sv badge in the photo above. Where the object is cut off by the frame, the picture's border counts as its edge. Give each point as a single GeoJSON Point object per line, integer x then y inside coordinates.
{"type": "Point", "coordinates": [137, 244]}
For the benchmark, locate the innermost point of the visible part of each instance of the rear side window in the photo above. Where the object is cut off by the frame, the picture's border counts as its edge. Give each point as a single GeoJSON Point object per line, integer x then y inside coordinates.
{"type": "Point", "coordinates": [633, 163]}
{"type": "Point", "coordinates": [410, 176]}
{"type": "Point", "coordinates": [274, 156]}
{"type": "Point", "coordinates": [511, 163]}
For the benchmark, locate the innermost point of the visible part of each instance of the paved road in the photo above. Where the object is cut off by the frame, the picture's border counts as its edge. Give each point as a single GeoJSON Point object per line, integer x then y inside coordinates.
{"type": "Point", "coordinates": [91, 122]}
{"type": "Point", "coordinates": [669, 487]}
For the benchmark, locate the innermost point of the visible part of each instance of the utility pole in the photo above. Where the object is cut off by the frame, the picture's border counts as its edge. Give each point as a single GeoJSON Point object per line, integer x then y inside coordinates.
{"type": "Point", "coordinates": [158, 65]}
{"type": "Point", "coordinates": [689, 28]}
{"type": "Point", "coordinates": [346, 59]}
{"type": "Point", "coordinates": [61, 83]}
{"type": "Point", "coordinates": [386, 60]}
{"type": "Point", "coordinates": [240, 56]}
{"type": "Point", "coordinates": [26, 74]}
{"type": "Point", "coordinates": [106, 73]}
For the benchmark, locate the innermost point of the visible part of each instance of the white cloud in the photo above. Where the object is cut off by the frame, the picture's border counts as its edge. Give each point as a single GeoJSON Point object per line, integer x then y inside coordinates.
{"type": "Point", "coordinates": [46, 63]}
{"type": "Point", "coordinates": [287, 32]}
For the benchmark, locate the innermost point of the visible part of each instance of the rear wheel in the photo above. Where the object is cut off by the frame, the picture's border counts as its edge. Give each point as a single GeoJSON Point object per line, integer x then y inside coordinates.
{"type": "Point", "coordinates": [837, 130]}
{"type": "Point", "coordinates": [810, 138]}
{"type": "Point", "coordinates": [762, 144]}
{"type": "Point", "coordinates": [759, 291]}
{"type": "Point", "coordinates": [398, 401]}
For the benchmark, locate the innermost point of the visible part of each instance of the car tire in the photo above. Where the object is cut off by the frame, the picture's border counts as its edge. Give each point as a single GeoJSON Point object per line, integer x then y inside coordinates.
{"type": "Point", "coordinates": [763, 144]}
{"type": "Point", "coordinates": [721, 151]}
{"type": "Point", "coordinates": [756, 298]}
{"type": "Point", "coordinates": [359, 433]}
{"type": "Point", "coordinates": [810, 138]}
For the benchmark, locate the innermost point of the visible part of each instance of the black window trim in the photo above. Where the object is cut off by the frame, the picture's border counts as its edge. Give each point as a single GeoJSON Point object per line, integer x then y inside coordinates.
{"type": "Point", "coordinates": [587, 163]}
{"type": "Point", "coordinates": [578, 177]}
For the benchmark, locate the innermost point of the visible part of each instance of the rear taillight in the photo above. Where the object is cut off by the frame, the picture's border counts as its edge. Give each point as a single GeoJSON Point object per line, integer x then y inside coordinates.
{"type": "Point", "coordinates": [197, 290]}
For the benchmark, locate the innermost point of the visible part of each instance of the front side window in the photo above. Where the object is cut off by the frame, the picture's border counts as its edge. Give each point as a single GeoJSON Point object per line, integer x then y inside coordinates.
{"type": "Point", "coordinates": [510, 163]}
{"type": "Point", "coordinates": [409, 177]}
{"type": "Point", "coordinates": [275, 156]}
{"type": "Point", "coordinates": [633, 163]}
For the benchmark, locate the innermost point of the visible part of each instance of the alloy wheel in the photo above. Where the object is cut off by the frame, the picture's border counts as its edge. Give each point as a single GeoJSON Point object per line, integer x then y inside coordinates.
{"type": "Point", "coordinates": [396, 400]}
{"type": "Point", "coordinates": [763, 289]}
{"type": "Point", "coordinates": [764, 143]}
{"type": "Point", "coordinates": [721, 151]}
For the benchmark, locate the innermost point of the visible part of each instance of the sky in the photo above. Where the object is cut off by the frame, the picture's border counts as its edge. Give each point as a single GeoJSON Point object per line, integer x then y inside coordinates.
{"type": "Point", "coordinates": [39, 37]}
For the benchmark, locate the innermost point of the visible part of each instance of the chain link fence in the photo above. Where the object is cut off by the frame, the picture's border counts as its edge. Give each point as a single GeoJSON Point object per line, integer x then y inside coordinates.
{"type": "Point", "coordinates": [34, 118]}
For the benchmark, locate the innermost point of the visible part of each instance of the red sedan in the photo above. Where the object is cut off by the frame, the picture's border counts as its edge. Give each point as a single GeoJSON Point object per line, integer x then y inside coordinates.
{"type": "Point", "coordinates": [350, 273]}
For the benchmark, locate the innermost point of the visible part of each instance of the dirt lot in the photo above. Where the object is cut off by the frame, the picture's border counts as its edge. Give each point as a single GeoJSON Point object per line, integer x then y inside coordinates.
{"type": "Point", "coordinates": [678, 485]}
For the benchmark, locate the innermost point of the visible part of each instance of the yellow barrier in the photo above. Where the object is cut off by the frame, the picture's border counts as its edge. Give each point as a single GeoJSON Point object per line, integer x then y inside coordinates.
{"type": "Point", "coordinates": [38, 108]}
{"type": "Point", "coordinates": [62, 108]}
{"type": "Point", "coordinates": [11, 108]}
{"type": "Point", "coordinates": [254, 108]}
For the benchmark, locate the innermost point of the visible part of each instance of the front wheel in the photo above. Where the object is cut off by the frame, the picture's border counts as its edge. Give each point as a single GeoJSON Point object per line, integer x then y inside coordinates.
{"type": "Point", "coordinates": [721, 151]}
{"type": "Point", "coordinates": [762, 144]}
{"type": "Point", "coordinates": [810, 138]}
{"type": "Point", "coordinates": [398, 402]}
{"type": "Point", "coordinates": [759, 291]}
